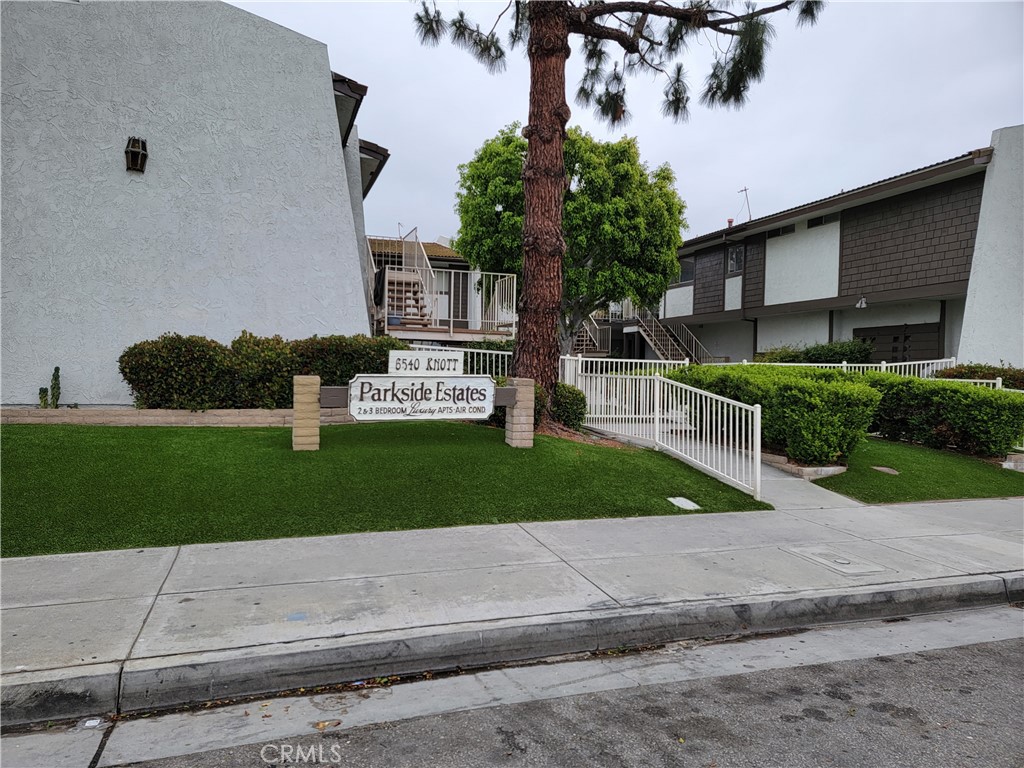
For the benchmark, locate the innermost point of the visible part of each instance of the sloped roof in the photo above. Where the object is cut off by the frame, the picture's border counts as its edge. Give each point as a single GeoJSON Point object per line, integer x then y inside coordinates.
{"type": "Point", "coordinates": [975, 160]}
{"type": "Point", "coordinates": [394, 245]}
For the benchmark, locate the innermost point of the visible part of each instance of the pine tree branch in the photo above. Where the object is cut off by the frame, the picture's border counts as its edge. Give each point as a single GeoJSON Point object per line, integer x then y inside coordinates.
{"type": "Point", "coordinates": [495, 25]}
{"type": "Point", "coordinates": [597, 10]}
{"type": "Point", "coordinates": [600, 32]}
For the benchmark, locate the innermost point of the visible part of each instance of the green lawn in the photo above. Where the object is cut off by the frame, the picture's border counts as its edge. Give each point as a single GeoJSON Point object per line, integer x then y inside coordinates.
{"type": "Point", "coordinates": [925, 475]}
{"type": "Point", "coordinates": [83, 488]}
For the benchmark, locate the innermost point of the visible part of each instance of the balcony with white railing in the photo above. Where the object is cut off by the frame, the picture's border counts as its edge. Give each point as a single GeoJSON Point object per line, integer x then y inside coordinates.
{"type": "Point", "coordinates": [414, 301]}
{"type": "Point", "coordinates": [425, 304]}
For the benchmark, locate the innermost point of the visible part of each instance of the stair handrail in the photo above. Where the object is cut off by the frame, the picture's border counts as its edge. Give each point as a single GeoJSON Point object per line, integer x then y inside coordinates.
{"type": "Point", "coordinates": [697, 350]}
{"type": "Point", "coordinates": [664, 344]}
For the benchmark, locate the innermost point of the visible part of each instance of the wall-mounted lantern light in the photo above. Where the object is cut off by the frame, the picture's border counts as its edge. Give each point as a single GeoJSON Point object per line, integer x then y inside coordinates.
{"type": "Point", "coordinates": [135, 154]}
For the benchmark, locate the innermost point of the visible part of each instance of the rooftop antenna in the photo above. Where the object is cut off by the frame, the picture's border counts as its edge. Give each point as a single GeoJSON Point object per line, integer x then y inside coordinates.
{"type": "Point", "coordinates": [747, 199]}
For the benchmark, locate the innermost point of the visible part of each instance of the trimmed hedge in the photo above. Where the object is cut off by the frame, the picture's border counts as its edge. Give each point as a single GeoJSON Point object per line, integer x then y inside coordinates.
{"type": "Point", "coordinates": [850, 351]}
{"type": "Point", "coordinates": [933, 412]}
{"type": "Point", "coordinates": [336, 359]}
{"type": "Point", "coordinates": [947, 414]}
{"type": "Point", "coordinates": [196, 373]}
{"type": "Point", "coordinates": [263, 370]}
{"type": "Point", "coordinates": [812, 421]}
{"type": "Point", "coordinates": [1013, 378]}
{"type": "Point", "coordinates": [173, 371]}
{"type": "Point", "coordinates": [569, 406]}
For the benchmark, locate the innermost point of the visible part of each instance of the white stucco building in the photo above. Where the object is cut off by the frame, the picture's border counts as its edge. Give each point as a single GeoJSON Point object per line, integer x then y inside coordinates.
{"type": "Point", "coordinates": [926, 264]}
{"type": "Point", "coordinates": [248, 214]}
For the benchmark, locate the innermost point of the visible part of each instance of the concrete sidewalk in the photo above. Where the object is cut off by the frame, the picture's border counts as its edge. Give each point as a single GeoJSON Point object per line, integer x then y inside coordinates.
{"type": "Point", "coordinates": [95, 633]}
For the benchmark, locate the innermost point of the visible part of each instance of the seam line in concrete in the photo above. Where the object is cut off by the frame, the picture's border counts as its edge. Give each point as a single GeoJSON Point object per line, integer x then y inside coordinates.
{"type": "Point", "coordinates": [78, 602]}
{"type": "Point", "coordinates": [678, 552]}
{"type": "Point", "coordinates": [955, 501]}
{"type": "Point", "coordinates": [942, 535]}
{"type": "Point", "coordinates": [825, 526]}
{"type": "Point", "coordinates": [356, 578]}
{"type": "Point", "coordinates": [573, 568]}
{"type": "Point", "coordinates": [142, 626]}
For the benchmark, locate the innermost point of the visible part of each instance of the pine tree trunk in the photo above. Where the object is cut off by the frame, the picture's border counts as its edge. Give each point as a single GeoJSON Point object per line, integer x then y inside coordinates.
{"type": "Point", "coordinates": [537, 349]}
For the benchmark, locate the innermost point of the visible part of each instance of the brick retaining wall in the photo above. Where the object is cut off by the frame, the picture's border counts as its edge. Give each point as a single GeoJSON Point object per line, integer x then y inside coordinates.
{"type": "Point", "coordinates": [131, 417]}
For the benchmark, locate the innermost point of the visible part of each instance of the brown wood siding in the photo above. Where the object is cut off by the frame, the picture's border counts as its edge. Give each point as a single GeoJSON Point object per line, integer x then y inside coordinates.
{"type": "Point", "coordinates": [753, 272]}
{"type": "Point", "coordinates": [925, 237]}
{"type": "Point", "coordinates": [709, 281]}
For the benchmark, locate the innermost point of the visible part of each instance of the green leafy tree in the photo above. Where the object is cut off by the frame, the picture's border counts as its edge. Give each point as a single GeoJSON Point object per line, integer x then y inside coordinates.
{"type": "Point", "coordinates": [651, 35]}
{"type": "Point", "coordinates": [620, 221]}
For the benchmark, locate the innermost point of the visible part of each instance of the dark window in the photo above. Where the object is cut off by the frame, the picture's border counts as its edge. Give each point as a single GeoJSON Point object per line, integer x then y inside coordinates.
{"type": "Point", "coordinates": [903, 343]}
{"type": "Point", "coordinates": [786, 230]}
{"type": "Point", "coordinates": [735, 259]}
{"type": "Point", "coordinates": [686, 270]}
{"type": "Point", "coordinates": [817, 221]}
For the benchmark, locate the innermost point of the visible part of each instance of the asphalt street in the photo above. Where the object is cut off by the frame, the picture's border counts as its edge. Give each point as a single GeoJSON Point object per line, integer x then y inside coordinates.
{"type": "Point", "coordinates": [931, 691]}
{"type": "Point", "coordinates": [955, 707]}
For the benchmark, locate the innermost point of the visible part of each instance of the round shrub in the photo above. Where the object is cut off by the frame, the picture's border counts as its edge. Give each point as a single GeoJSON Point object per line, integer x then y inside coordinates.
{"type": "Point", "coordinates": [569, 406]}
{"type": "Point", "coordinates": [173, 371]}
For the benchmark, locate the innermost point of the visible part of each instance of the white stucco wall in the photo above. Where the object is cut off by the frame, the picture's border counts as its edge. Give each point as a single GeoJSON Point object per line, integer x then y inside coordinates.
{"type": "Point", "coordinates": [678, 302]}
{"type": "Point", "coordinates": [903, 313]}
{"type": "Point", "coordinates": [355, 196]}
{"type": "Point", "coordinates": [734, 340]}
{"type": "Point", "coordinates": [798, 330]}
{"type": "Point", "coordinates": [733, 292]}
{"type": "Point", "coordinates": [803, 265]}
{"type": "Point", "coordinates": [993, 325]}
{"type": "Point", "coordinates": [242, 220]}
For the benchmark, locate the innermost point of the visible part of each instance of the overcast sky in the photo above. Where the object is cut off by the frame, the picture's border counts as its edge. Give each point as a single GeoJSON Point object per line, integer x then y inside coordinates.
{"type": "Point", "coordinates": [875, 89]}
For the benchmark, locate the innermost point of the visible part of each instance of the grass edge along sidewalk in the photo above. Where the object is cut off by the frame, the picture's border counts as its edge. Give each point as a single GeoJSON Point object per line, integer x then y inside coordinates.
{"type": "Point", "coordinates": [925, 474]}
{"type": "Point", "coordinates": [86, 488]}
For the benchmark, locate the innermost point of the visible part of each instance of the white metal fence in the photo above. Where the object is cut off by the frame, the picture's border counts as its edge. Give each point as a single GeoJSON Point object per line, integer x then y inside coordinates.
{"type": "Point", "coordinates": [573, 366]}
{"type": "Point", "coordinates": [719, 436]}
{"type": "Point", "coordinates": [922, 369]}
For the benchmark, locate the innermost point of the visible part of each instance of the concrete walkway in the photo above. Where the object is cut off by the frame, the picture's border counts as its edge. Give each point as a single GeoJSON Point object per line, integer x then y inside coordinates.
{"type": "Point", "coordinates": [95, 633]}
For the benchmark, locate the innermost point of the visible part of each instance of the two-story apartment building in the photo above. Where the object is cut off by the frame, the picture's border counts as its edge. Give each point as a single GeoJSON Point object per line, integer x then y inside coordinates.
{"type": "Point", "coordinates": [924, 265]}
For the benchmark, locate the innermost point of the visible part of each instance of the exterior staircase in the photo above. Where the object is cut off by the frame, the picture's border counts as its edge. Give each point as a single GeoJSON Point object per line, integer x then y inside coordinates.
{"type": "Point", "coordinates": [589, 341]}
{"type": "Point", "coordinates": [667, 345]}
{"type": "Point", "coordinates": [407, 298]}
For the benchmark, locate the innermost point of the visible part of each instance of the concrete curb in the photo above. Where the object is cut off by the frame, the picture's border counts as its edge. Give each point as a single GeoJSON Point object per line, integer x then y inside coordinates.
{"type": "Point", "coordinates": [170, 681]}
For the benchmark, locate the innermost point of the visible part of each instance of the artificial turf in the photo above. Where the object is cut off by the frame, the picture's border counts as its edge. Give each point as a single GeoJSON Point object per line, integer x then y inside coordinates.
{"type": "Point", "coordinates": [925, 474]}
{"type": "Point", "coordinates": [86, 488]}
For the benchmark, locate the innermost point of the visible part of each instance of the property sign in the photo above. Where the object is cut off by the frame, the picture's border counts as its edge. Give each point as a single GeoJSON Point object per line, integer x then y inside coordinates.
{"type": "Point", "coordinates": [425, 363]}
{"type": "Point", "coordinates": [402, 398]}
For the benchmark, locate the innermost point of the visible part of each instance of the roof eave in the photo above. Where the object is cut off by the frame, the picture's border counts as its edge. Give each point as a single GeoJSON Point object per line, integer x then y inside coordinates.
{"type": "Point", "coordinates": [378, 156]}
{"type": "Point", "coordinates": [958, 166]}
{"type": "Point", "coordinates": [349, 90]}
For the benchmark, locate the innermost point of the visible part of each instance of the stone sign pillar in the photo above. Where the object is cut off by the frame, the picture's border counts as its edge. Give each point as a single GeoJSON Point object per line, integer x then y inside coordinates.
{"type": "Point", "coordinates": [519, 417]}
{"type": "Point", "coordinates": [306, 413]}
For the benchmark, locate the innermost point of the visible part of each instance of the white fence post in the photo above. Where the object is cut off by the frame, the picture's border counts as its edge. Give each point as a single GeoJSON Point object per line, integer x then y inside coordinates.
{"type": "Point", "coordinates": [657, 409]}
{"type": "Point", "coordinates": [883, 365]}
{"type": "Point", "coordinates": [999, 382]}
{"type": "Point", "coordinates": [845, 369]}
{"type": "Point", "coordinates": [757, 452]}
